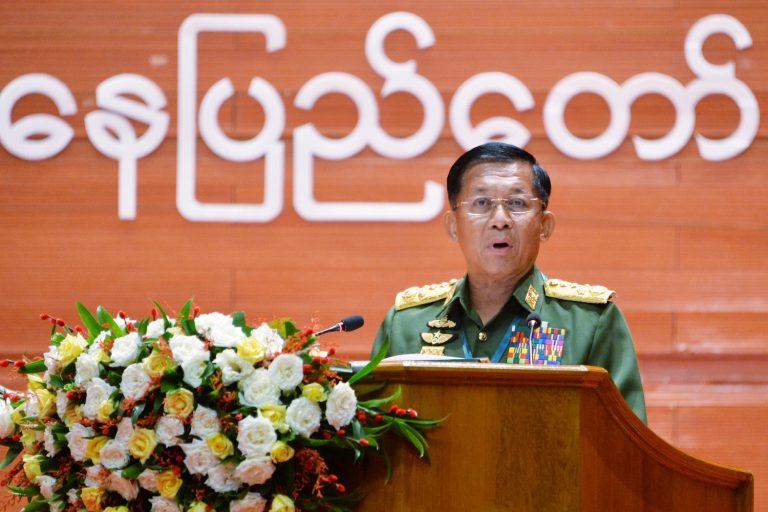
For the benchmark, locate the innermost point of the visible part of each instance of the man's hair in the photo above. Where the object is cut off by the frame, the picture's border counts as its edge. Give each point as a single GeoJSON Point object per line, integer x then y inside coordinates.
{"type": "Point", "coordinates": [497, 152]}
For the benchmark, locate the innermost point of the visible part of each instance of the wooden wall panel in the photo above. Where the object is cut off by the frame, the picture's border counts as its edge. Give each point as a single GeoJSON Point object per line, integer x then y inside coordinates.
{"type": "Point", "coordinates": [683, 240]}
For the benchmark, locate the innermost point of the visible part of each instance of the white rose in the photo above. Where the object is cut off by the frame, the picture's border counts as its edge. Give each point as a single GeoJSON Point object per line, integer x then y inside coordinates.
{"type": "Point", "coordinates": [96, 476]}
{"type": "Point", "coordinates": [258, 390]}
{"type": "Point", "coordinates": [124, 431]}
{"type": "Point", "coordinates": [221, 478]}
{"type": "Point", "coordinates": [205, 423]}
{"type": "Point", "coordinates": [77, 440]}
{"type": "Point", "coordinates": [61, 403]}
{"type": "Point", "coordinates": [96, 393]}
{"type": "Point", "coordinates": [7, 426]}
{"type": "Point", "coordinates": [341, 405]}
{"type": "Point", "coordinates": [252, 502]}
{"type": "Point", "coordinates": [72, 495]}
{"type": "Point", "coordinates": [233, 367]}
{"type": "Point", "coordinates": [199, 459]}
{"type": "Point", "coordinates": [156, 328]}
{"type": "Point", "coordinates": [86, 368]}
{"type": "Point", "coordinates": [286, 371]}
{"type": "Point", "coordinates": [126, 488]}
{"type": "Point", "coordinates": [125, 350]}
{"type": "Point", "coordinates": [135, 382]}
{"type": "Point", "coordinates": [168, 430]}
{"type": "Point", "coordinates": [47, 484]}
{"type": "Point", "coordinates": [255, 436]}
{"type": "Point", "coordinates": [49, 441]}
{"type": "Point", "coordinates": [114, 454]}
{"type": "Point", "coordinates": [270, 338]}
{"type": "Point", "coordinates": [303, 416]}
{"type": "Point", "coordinates": [51, 359]}
{"type": "Point", "coordinates": [255, 470]}
{"type": "Point", "coordinates": [194, 368]}
{"type": "Point", "coordinates": [220, 329]}
{"type": "Point", "coordinates": [184, 347]}
{"type": "Point", "coordinates": [160, 504]}
{"type": "Point", "coordinates": [148, 480]}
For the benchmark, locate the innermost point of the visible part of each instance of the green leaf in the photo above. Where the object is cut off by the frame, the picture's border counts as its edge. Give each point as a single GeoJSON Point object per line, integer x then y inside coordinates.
{"type": "Point", "coordinates": [380, 402]}
{"type": "Point", "coordinates": [133, 471]}
{"type": "Point", "coordinates": [35, 505]}
{"type": "Point", "coordinates": [238, 319]}
{"type": "Point", "coordinates": [412, 435]}
{"type": "Point", "coordinates": [372, 364]}
{"type": "Point", "coordinates": [185, 309]}
{"type": "Point", "coordinates": [105, 318]}
{"type": "Point", "coordinates": [14, 450]}
{"type": "Point", "coordinates": [24, 491]}
{"type": "Point", "coordinates": [33, 367]}
{"type": "Point", "coordinates": [137, 411]}
{"type": "Point", "coordinates": [162, 312]}
{"type": "Point", "coordinates": [93, 326]}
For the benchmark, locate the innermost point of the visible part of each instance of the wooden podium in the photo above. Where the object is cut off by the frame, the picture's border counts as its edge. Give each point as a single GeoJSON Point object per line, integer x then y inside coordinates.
{"type": "Point", "coordinates": [538, 439]}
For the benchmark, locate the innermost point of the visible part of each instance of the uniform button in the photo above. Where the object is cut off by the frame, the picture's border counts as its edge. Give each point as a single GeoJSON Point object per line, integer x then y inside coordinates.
{"type": "Point", "coordinates": [482, 336]}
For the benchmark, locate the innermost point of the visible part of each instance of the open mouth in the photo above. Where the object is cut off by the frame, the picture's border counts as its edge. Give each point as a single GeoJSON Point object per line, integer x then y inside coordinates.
{"type": "Point", "coordinates": [500, 245]}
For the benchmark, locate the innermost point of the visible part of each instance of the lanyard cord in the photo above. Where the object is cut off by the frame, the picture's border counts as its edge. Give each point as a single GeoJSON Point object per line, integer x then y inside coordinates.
{"type": "Point", "coordinates": [503, 344]}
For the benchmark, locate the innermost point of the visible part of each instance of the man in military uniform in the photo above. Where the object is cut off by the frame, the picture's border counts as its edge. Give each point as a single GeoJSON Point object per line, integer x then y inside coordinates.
{"type": "Point", "coordinates": [504, 309]}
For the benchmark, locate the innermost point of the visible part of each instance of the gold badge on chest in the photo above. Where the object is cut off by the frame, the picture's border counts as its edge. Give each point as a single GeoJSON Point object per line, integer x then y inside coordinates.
{"type": "Point", "coordinates": [437, 338]}
{"type": "Point", "coordinates": [433, 351]}
{"type": "Point", "coordinates": [442, 323]}
{"type": "Point", "coordinates": [532, 297]}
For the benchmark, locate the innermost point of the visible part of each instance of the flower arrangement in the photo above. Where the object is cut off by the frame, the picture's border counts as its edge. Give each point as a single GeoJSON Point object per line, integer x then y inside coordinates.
{"type": "Point", "coordinates": [195, 413]}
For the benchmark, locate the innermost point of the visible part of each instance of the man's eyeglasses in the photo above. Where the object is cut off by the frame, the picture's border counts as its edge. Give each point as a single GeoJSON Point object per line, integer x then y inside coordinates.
{"type": "Point", "coordinates": [515, 205]}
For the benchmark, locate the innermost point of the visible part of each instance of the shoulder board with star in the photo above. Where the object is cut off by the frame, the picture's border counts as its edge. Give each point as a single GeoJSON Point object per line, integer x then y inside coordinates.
{"type": "Point", "coordinates": [418, 295]}
{"type": "Point", "coordinates": [565, 290]}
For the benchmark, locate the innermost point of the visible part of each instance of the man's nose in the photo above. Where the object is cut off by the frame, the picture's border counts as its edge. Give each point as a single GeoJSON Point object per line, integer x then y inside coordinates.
{"type": "Point", "coordinates": [500, 216]}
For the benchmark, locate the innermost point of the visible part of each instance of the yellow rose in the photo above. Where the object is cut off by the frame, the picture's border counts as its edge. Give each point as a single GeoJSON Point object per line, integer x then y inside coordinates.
{"type": "Point", "coordinates": [121, 508]}
{"type": "Point", "coordinates": [281, 452]}
{"type": "Point", "coordinates": [251, 349]}
{"type": "Point", "coordinates": [93, 449]}
{"type": "Point", "coordinates": [106, 409]}
{"type": "Point", "coordinates": [35, 382]}
{"type": "Point", "coordinates": [142, 443]}
{"type": "Point", "coordinates": [74, 414]}
{"type": "Point", "coordinates": [220, 445]}
{"type": "Point", "coordinates": [92, 497]}
{"type": "Point", "coordinates": [314, 391]}
{"type": "Point", "coordinates": [46, 402]}
{"type": "Point", "coordinates": [282, 503]}
{"type": "Point", "coordinates": [29, 439]}
{"type": "Point", "coordinates": [274, 413]}
{"type": "Point", "coordinates": [18, 415]}
{"type": "Point", "coordinates": [70, 348]}
{"type": "Point", "coordinates": [32, 467]}
{"type": "Point", "coordinates": [197, 506]}
{"type": "Point", "coordinates": [179, 402]}
{"type": "Point", "coordinates": [156, 364]}
{"type": "Point", "coordinates": [168, 484]}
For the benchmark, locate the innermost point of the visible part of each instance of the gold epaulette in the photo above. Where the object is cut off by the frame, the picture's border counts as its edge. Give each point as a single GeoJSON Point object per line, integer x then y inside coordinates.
{"type": "Point", "coordinates": [577, 292]}
{"type": "Point", "coordinates": [418, 295]}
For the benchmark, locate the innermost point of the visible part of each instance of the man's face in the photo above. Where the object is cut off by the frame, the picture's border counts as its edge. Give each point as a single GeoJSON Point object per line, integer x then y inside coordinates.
{"type": "Point", "coordinates": [499, 245]}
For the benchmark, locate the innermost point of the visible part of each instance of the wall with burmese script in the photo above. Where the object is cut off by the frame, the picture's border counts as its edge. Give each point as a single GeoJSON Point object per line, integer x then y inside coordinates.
{"type": "Point", "coordinates": [322, 197]}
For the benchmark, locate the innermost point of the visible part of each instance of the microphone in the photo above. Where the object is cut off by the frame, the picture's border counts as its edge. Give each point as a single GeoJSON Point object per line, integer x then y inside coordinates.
{"type": "Point", "coordinates": [532, 321]}
{"type": "Point", "coordinates": [347, 324]}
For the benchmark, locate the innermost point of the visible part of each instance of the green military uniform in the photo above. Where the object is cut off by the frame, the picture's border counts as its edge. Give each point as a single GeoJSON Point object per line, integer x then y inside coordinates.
{"type": "Point", "coordinates": [579, 326]}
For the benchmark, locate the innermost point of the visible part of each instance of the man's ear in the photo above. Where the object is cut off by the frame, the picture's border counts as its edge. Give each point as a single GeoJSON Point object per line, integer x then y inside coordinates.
{"type": "Point", "coordinates": [547, 225]}
{"type": "Point", "coordinates": [449, 221]}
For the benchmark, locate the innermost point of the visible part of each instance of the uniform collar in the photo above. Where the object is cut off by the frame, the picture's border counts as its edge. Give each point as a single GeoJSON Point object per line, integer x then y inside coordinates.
{"type": "Point", "coordinates": [534, 280]}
